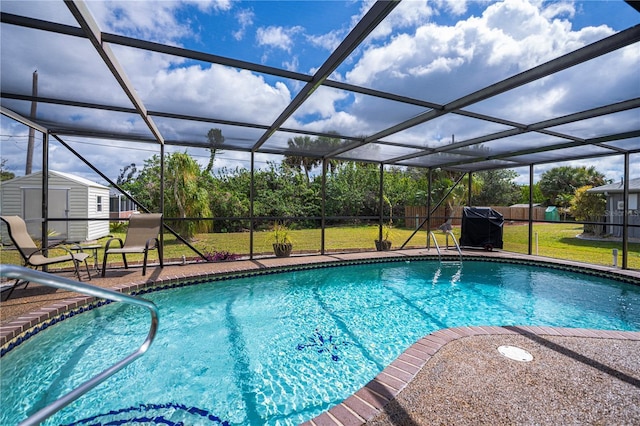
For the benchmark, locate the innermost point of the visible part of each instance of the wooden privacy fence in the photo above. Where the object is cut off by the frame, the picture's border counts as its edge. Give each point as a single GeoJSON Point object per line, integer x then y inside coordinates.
{"type": "Point", "coordinates": [416, 214]}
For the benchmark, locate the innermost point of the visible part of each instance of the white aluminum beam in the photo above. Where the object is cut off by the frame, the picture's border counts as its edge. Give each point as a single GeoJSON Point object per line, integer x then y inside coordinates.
{"type": "Point", "coordinates": [20, 119]}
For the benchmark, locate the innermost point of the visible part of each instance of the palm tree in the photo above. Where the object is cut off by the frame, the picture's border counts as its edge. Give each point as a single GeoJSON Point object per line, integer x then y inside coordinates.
{"type": "Point", "coordinates": [301, 144]}
{"type": "Point", "coordinates": [215, 139]}
{"type": "Point", "coordinates": [188, 198]}
{"type": "Point", "coordinates": [330, 144]}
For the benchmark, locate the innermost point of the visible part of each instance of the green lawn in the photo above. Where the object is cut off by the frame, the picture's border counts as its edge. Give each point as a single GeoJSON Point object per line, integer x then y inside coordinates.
{"type": "Point", "coordinates": [554, 240]}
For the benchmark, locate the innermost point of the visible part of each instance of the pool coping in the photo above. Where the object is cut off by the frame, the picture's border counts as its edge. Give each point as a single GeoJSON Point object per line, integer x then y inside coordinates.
{"type": "Point", "coordinates": [370, 400]}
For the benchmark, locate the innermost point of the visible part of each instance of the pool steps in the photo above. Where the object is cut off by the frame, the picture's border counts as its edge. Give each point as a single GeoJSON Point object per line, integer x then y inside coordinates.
{"type": "Point", "coordinates": [455, 242]}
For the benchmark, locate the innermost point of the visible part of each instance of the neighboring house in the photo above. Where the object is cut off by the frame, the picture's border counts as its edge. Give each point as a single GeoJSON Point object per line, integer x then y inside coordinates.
{"type": "Point", "coordinates": [70, 197]}
{"type": "Point", "coordinates": [120, 207]}
{"type": "Point", "coordinates": [615, 207]}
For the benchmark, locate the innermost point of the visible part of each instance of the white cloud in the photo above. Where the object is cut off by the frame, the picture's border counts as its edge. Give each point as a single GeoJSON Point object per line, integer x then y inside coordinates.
{"type": "Point", "coordinates": [338, 122]}
{"type": "Point", "coordinates": [245, 20]}
{"type": "Point", "coordinates": [154, 21]}
{"type": "Point", "coordinates": [407, 14]}
{"type": "Point", "coordinates": [13, 143]}
{"type": "Point", "coordinates": [293, 64]}
{"type": "Point", "coordinates": [322, 102]}
{"type": "Point", "coordinates": [564, 9]}
{"type": "Point", "coordinates": [277, 37]}
{"type": "Point", "coordinates": [219, 91]}
{"type": "Point", "coordinates": [64, 65]}
{"type": "Point", "coordinates": [328, 41]}
{"type": "Point", "coordinates": [206, 5]}
{"type": "Point", "coordinates": [456, 7]}
{"type": "Point", "coordinates": [44, 10]}
{"type": "Point", "coordinates": [441, 63]}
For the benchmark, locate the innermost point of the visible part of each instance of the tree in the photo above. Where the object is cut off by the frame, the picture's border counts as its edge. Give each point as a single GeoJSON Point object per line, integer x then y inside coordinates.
{"type": "Point", "coordinates": [537, 194]}
{"type": "Point", "coordinates": [283, 191]}
{"type": "Point", "coordinates": [420, 179]}
{"type": "Point", "coordinates": [588, 207]}
{"type": "Point", "coordinates": [229, 197]}
{"type": "Point", "coordinates": [352, 190]}
{"type": "Point", "coordinates": [306, 164]}
{"type": "Point", "coordinates": [215, 138]}
{"type": "Point", "coordinates": [5, 174]}
{"type": "Point", "coordinates": [443, 182]}
{"type": "Point", "coordinates": [127, 174]}
{"type": "Point", "coordinates": [185, 190]}
{"type": "Point", "coordinates": [497, 188]}
{"type": "Point", "coordinates": [330, 144]}
{"type": "Point", "coordinates": [145, 187]}
{"type": "Point", "coordinates": [185, 196]}
{"type": "Point", "coordinates": [560, 183]}
{"type": "Point", "coordinates": [398, 189]}
{"type": "Point", "coordinates": [564, 203]}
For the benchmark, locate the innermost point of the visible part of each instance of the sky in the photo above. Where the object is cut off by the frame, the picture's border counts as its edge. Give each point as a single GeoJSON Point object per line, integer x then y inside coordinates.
{"type": "Point", "coordinates": [433, 50]}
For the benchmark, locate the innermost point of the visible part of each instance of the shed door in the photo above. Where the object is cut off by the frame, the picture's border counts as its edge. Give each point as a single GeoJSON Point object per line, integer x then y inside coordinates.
{"type": "Point", "coordinates": [58, 208]}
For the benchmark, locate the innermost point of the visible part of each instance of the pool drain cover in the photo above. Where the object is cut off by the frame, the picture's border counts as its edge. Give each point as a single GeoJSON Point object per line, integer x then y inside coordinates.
{"type": "Point", "coordinates": [515, 353]}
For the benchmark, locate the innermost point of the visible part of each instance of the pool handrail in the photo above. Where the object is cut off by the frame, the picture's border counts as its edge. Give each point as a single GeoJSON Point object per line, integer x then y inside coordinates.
{"type": "Point", "coordinates": [49, 280]}
{"type": "Point", "coordinates": [435, 242]}
{"type": "Point", "coordinates": [455, 242]}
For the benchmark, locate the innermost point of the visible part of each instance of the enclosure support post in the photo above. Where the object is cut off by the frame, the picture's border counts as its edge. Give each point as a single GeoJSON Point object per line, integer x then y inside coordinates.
{"type": "Point", "coordinates": [381, 202]}
{"type": "Point", "coordinates": [162, 198]}
{"type": "Point", "coordinates": [251, 195]}
{"type": "Point", "coordinates": [45, 192]}
{"type": "Point", "coordinates": [323, 206]}
{"type": "Point", "coordinates": [625, 218]}
{"type": "Point", "coordinates": [32, 131]}
{"type": "Point", "coordinates": [469, 199]}
{"type": "Point", "coordinates": [428, 208]}
{"type": "Point", "coordinates": [531, 209]}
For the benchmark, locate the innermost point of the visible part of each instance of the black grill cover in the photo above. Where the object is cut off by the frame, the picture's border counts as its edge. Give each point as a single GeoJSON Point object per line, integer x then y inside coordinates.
{"type": "Point", "coordinates": [481, 227]}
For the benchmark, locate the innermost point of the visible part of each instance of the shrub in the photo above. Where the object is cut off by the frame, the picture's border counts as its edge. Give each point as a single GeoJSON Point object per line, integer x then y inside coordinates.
{"type": "Point", "coordinates": [118, 227]}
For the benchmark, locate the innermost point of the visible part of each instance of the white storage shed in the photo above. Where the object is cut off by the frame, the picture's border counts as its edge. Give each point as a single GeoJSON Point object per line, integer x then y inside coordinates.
{"type": "Point", "coordinates": [615, 207]}
{"type": "Point", "coordinates": [70, 197]}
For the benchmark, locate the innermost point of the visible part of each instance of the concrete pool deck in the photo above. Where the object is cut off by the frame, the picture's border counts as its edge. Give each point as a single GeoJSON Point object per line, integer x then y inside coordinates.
{"type": "Point", "coordinates": [452, 376]}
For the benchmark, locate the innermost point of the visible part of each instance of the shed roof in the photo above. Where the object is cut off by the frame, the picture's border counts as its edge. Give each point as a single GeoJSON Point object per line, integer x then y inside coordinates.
{"type": "Point", "coordinates": [66, 176]}
{"type": "Point", "coordinates": [618, 187]}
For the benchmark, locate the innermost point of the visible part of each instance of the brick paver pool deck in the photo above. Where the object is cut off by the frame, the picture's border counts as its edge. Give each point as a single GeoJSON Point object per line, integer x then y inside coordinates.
{"type": "Point", "coordinates": [452, 376]}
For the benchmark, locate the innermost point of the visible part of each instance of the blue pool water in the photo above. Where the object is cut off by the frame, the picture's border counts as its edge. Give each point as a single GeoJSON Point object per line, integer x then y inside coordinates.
{"type": "Point", "coordinates": [282, 348]}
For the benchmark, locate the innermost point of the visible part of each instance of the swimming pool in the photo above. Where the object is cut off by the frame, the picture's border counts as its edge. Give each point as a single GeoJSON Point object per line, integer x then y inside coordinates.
{"type": "Point", "coordinates": [281, 348]}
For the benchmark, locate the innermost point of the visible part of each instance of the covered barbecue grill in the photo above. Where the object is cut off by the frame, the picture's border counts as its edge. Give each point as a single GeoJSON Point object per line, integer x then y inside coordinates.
{"type": "Point", "coordinates": [481, 227]}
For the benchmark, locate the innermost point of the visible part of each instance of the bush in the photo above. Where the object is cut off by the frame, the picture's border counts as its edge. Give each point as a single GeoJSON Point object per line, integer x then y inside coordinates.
{"type": "Point", "coordinates": [220, 256]}
{"type": "Point", "coordinates": [118, 227]}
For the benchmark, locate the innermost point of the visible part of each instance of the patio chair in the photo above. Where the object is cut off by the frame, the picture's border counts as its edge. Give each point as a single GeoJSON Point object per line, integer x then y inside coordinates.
{"type": "Point", "coordinates": [446, 227]}
{"type": "Point", "coordinates": [34, 256]}
{"type": "Point", "coordinates": [142, 236]}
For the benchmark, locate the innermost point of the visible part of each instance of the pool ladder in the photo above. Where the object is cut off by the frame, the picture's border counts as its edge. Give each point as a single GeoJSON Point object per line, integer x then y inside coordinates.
{"type": "Point", "coordinates": [21, 273]}
{"type": "Point", "coordinates": [455, 242]}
